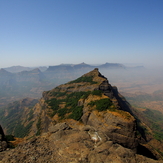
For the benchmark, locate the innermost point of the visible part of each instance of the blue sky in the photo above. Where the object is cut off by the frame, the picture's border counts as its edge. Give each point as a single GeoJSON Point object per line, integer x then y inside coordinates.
{"type": "Point", "coordinates": [43, 33]}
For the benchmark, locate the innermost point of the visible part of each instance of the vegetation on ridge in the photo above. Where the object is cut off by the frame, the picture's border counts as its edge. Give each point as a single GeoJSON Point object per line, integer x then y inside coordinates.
{"type": "Point", "coordinates": [38, 125]}
{"type": "Point", "coordinates": [84, 79]}
{"type": "Point", "coordinates": [72, 109]}
{"type": "Point", "coordinates": [102, 104]}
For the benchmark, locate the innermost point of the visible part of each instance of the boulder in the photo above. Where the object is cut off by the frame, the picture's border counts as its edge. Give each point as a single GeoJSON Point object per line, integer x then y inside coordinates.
{"type": "Point", "coordinates": [3, 143]}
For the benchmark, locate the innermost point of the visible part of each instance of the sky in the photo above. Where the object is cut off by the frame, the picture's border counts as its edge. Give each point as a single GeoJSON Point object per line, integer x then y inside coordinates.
{"type": "Point", "coordinates": [53, 32]}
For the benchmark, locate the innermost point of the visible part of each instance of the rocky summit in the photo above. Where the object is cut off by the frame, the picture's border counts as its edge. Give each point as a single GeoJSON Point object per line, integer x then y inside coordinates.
{"type": "Point", "coordinates": [83, 121]}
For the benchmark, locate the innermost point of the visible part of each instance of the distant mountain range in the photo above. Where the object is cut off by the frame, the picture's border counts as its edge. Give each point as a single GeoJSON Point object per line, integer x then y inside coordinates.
{"type": "Point", "coordinates": [85, 66]}
{"type": "Point", "coordinates": [16, 69]}
{"type": "Point", "coordinates": [19, 82]}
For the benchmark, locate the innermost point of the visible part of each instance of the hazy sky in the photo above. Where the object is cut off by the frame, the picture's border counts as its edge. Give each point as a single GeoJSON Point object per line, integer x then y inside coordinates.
{"type": "Point", "coordinates": [51, 32]}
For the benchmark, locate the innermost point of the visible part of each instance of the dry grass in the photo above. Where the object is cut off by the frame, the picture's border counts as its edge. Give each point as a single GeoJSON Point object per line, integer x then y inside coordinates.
{"type": "Point", "coordinates": [123, 114]}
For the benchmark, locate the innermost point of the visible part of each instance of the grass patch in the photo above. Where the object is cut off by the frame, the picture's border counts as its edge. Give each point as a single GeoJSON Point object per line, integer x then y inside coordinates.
{"type": "Point", "coordinates": [30, 115]}
{"type": "Point", "coordinates": [158, 135]}
{"type": "Point", "coordinates": [155, 121]}
{"type": "Point", "coordinates": [21, 130]}
{"type": "Point", "coordinates": [124, 114]}
{"type": "Point", "coordinates": [62, 112]}
{"type": "Point", "coordinates": [77, 113]}
{"type": "Point", "coordinates": [38, 125]}
{"type": "Point", "coordinates": [97, 93]}
{"type": "Point", "coordinates": [53, 103]}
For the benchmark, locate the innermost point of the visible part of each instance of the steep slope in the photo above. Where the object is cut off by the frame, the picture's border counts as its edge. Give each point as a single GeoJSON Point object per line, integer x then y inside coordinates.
{"type": "Point", "coordinates": [85, 120]}
{"type": "Point", "coordinates": [148, 108]}
{"type": "Point", "coordinates": [3, 143]}
{"type": "Point", "coordinates": [16, 117]}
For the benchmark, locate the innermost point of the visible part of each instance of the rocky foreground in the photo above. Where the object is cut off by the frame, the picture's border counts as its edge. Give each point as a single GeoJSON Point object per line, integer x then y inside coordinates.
{"type": "Point", "coordinates": [63, 144]}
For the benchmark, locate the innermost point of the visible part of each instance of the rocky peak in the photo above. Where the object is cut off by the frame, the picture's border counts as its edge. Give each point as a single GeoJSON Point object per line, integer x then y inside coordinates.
{"type": "Point", "coordinates": [94, 73]}
{"type": "Point", "coordinates": [90, 100]}
{"type": "Point", "coordinates": [36, 70]}
{"type": "Point", "coordinates": [112, 65]}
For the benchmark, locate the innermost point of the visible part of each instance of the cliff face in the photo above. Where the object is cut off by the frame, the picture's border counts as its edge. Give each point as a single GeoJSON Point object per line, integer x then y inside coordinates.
{"type": "Point", "coordinates": [85, 120]}
{"type": "Point", "coordinates": [3, 143]}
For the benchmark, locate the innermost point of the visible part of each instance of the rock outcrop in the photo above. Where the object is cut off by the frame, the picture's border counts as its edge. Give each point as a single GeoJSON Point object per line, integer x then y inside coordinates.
{"type": "Point", "coordinates": [3, 143]}
{"type": "Point", "coordinates": [65, 144]}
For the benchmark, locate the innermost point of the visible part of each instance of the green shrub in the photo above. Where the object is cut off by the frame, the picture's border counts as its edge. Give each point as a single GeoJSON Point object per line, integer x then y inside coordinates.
{"type": "Point", "coordinates": [9, 138]}
{"type": "Point", "coordinates": [30, 115]}
{"type": "Point", "coordinates": [73, 98]}
{"type": "Point", "coordinates": [71, 107]}
{"type": "Point", "coordinates": [71, 101]}
{"type": "Point", "coordinates": [77, 113]}
{"type": "Point", "coordinates": [62, 112]}
{"type": "Point", "coordinates": [70, 87]}
{"type": "Point", "coordinates": [97, 93]}
{"type": "Point", "coordinates": [59, 94]}
{"type": "Point", "coordinates": [102, 104]}
{"type": "Point", "coordinates": [38, 125]}
{"type": "Point", "coordinates": [53, 103]}
{"type": "Point", "coordinates": [51, 114]}
{"type": "Point", "coordinates": [84, 79]}
{"type": "Point", "coordinates": [21, 130]}
{"type": "Point", "coordinates": [159, 151]}
{"type": "Point", "coordinates": [158, 135]}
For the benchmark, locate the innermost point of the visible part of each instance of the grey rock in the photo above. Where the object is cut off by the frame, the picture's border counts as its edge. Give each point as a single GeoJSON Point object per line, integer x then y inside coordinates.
{"type": "Point", "coordinates": [58, 127]}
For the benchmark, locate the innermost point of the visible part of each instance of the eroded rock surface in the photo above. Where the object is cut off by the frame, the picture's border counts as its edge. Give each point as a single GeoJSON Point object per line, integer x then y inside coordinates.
{"type": "Point", "coordinates": [64, 144]}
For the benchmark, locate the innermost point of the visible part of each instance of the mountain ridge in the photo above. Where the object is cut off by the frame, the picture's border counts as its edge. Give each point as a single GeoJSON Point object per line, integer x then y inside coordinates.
{"type": "Point", "coordinates": [86, 66]}
{"type": "Point", "coordinates": [16, 69]}
{"type": "Point", "coordinates": [87, 115]}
